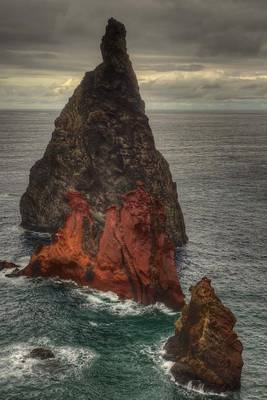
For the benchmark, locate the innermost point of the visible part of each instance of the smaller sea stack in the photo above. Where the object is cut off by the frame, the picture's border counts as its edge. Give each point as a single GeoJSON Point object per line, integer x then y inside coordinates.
{"type": "Point", "coordinates": [205, 349]}
{"type": "Point", "coordinates": [133, 257]}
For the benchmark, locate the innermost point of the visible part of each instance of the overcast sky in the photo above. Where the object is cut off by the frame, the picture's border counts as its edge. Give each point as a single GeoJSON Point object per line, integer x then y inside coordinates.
{"type": "Point", "coordinates": [187, 54]}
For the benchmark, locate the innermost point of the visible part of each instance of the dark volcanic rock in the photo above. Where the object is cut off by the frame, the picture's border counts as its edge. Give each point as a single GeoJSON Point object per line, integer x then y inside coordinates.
{"type": "Point", "coordinates": [102, 144]}
{"type": "Point", "coordinates": [7, 265]}
{"type": "Point", "coordinates": [41, 353]}
{"type": "Point", "coordinates": [205, 347]}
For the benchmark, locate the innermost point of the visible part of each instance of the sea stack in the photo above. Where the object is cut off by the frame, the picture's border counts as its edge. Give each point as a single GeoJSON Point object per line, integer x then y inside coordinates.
{"type": "Point", "coordinates": [101, 146]}
{"type": "Point", "coordinates": [205, 349]}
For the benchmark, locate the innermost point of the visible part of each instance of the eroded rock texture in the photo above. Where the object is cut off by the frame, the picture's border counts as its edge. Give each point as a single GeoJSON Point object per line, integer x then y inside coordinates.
{"type": "Point", "coordinates": [102, 144]}
{"type": "Point", "coordinates": [134, 256]}
{"type": "Point", "coordinates": [205, 347]}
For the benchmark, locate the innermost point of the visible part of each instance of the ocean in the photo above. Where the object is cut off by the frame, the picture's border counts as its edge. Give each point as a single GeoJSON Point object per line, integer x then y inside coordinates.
{"type": "Point", "coordinates": [109, 349]}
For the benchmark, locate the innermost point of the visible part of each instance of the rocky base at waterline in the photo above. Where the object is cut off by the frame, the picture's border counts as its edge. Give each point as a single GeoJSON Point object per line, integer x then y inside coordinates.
{"type": "Point", "coordinates": [205, 349]}
{"type": "Point", "coordinates": [102, 144]}
{"type": "Point", "coordinates": [134, 257]}
{"type": "Point", "coordinates": [7, 265]}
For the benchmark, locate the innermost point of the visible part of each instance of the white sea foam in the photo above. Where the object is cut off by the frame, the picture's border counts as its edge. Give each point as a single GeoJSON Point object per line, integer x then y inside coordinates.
{"type": "Point", "coordinates": [23, 260]}
{"type": "Point", "coordinates": [155, 352]}
{"type": "Point", "coordinates": [92, 323]}
{"type": "Point", "coordinates": [16, 282]}
{"type": "Point", "coordinates": [12, 228]}
{"type": "Point", "coordinates": [38, 235]}
{"type": "Point", "coordinates": [199, 389]}
{"type": "Point", "coordinates": [15, 363]}
{"type": "Point", "coordinates": [167, 365]}
{"type": "Point", "coordinates": [110, 302]}
{"type": "Point", "coordinates": [76, 357]}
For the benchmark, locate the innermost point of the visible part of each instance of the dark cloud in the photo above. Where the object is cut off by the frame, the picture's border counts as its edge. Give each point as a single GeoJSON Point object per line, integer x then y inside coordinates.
{"type": "Point", "coordinates": [25, 23]}
{"type": "Point", "coordinates": [233, 43]}
{"type": "Point", "coordinates": [182, 28]}
{"type": "Point", "coordinates": [173, 40]}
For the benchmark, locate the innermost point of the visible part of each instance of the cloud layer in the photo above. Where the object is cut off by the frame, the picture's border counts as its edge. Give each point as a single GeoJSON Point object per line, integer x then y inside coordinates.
{"type": "Point", "coordinates": [187, 54]}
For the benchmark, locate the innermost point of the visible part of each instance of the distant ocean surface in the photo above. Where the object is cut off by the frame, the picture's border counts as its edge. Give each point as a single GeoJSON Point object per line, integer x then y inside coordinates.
{"type": "Point", "coordinates": [109, 349]}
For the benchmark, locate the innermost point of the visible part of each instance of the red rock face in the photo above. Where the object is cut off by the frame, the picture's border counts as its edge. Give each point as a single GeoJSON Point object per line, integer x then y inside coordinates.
{"type": "Point", "coordinates": [65, 257]}
{"type": "Point", "coordinates": [134, 258]}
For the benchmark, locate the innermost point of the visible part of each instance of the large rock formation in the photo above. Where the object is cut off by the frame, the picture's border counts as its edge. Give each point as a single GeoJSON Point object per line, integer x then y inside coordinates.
{"type": "Point", "coordinates": [134, 257]}
{"type": "Point", "coordinates": [205, 348]}
{"type": "Point", "coordinates": [102, 144]}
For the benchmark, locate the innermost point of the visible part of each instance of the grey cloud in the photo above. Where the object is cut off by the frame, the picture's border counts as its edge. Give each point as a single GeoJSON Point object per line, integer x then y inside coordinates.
{"type": "Point", "coordinates": [198, 89]}
{"type": "Point", "coordinates": [233, 43]}
{"type": "Point", "coordinates": [35, 96]}
{"type": "Point", "coordinates": [38, 60]}
{"type": "Point", "coordinates": [29, 22]}
{"type": "Point", "coordinates": [171, 67]}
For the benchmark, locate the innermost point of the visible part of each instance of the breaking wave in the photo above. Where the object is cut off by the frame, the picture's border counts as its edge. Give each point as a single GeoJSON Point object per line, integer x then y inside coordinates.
{"type": "Point", "coordinates": [15, 363]}
{"type": "Point", "coordinates": [111, 303]}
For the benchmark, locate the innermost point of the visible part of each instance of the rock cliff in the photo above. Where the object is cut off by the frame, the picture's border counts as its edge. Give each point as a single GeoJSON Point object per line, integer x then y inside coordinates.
{"type": "Point", "coordinates": [102, 144]}
{"type": "Point", "coordinates": [205, 349]}
{"type": "Point", "coordinates": [133, 258]}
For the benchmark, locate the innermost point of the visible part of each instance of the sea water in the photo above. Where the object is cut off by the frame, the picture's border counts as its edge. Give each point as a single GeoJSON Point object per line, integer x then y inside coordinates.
{"type": "Point", "coordinates": [109, 349]}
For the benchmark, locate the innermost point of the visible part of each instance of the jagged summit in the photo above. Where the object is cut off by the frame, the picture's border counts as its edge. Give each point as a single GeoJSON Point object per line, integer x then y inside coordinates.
{"type": "Point", "coordinates": [102, 144]}
{"type": "Point", "coordinates": [115, 57]}
{"type": "Point", "coordinates": [113, 45]}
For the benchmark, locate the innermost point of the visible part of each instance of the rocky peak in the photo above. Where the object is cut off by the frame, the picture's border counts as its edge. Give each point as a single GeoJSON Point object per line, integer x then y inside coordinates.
{"type": "Point", "coordinates": [113, 45]}
{"type": "Point", "coordinates": [116, 73]}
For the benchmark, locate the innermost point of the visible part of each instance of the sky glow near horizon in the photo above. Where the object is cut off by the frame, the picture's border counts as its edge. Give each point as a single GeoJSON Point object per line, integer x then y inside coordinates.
{"type": "Point", "coordinates": [193, 54]}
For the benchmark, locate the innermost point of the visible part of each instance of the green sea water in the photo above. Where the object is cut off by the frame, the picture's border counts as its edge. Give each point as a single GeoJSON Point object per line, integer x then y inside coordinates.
{"type": "Point", "coordinates": [110, 349]}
